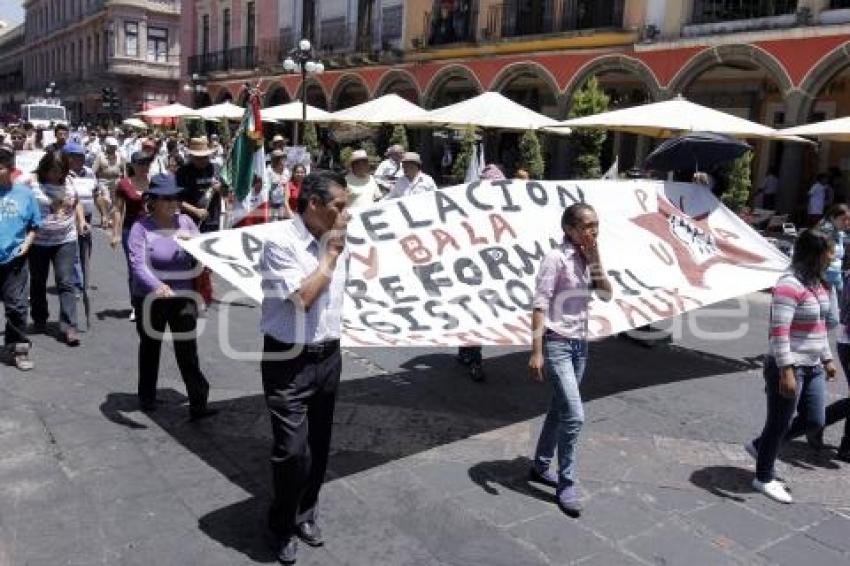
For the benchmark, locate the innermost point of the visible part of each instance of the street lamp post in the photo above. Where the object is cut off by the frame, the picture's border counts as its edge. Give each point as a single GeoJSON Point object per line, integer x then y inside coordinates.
{"type": "Point", "coordinates": [300, 60]}
{"type": "Point", "coordinates": [194, 87]}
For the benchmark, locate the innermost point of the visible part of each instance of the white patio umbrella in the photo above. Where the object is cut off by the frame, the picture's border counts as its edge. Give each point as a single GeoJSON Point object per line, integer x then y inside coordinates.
{"type": "Point", "coordinates": [388, 109]}
{"type": "Point", "coordinates": [671, 117]}
{"type": "Point", "coordinates": [830, 130]}
{"type": "Point", "coordinates": [291, 112]}
{"type": "Point", "coordinates": [225, 110]}
{"type": "Point", "coordinates": [135, 123]}
{"type": "Point", "coordinates": [487, 110]}
{"type": "Point", "coordinates": [175, 110]}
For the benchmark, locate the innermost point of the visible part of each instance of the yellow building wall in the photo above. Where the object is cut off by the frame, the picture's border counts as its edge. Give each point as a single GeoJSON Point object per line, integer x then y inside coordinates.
{"type": "Point", "coordinates": [414, 20]}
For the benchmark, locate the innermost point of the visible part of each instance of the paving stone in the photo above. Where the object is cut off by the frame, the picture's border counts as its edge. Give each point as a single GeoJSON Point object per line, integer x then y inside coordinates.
{"type": "Point", "coordinates": [739, 524]}
{"type": "Point", "coordinates": [672, 545]}
{"type": "Point", "coordinates": [796, 516]}
{"type": "Point", "coordinates": [561, 539]}
{"type": "Point", "coordinates": [834, 532]}
{"type": "Point", "coordinates": [800, 549]}
{"type": "Point", "coordinates": [670, 499]}
{"type": "Point", "coordinates": [616, 515]}
{"type": "Point", "coordinates": [512, 503]}
{"type": "Point", "coordinates": [609, 558]}
{"type": "Point", "coordinates": [456, 537]}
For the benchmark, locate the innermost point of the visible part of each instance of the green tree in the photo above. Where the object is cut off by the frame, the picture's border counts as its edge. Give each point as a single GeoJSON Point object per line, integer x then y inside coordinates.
{"type": "Point", "coordinates": [345, 156]}
{"type": "Point", "coordinates": [464, 154]}
{"type": "Point", "coordinates": [311, 139]}
{"type": "Point", "coordinates": [739, 183]}
{"type": "Point", "coordinates": [586, 143]}
{"type": "Point", "coordinates": [530, 155]}
{"type": "Point", "coordinates": [399, 136]}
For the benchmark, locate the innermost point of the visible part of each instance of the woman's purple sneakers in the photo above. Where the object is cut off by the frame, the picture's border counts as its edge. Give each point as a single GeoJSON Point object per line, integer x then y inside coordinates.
{"type": "Point", "coordinates": [547, 477]}
{"type": "Point", "coordinates": [568, 501]}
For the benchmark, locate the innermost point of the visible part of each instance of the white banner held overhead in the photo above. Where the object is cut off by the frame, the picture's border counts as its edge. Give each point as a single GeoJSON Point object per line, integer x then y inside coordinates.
{"type": "Point", "coordinates": [27, 161]}
{"type": "Point", "coordinates": [457, 266]}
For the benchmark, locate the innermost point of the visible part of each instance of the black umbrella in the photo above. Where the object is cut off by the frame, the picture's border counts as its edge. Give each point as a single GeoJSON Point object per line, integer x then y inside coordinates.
{"type": "Point", "coordinates": [696, 151]}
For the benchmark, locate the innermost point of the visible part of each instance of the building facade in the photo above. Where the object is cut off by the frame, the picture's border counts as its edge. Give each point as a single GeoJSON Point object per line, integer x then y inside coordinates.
{"type": "Point", "coordinates": [782, 63]}
{"type": "Point", "coordinates": [84, 46]}
{"type": "Point", "coordinates": [11, 70]}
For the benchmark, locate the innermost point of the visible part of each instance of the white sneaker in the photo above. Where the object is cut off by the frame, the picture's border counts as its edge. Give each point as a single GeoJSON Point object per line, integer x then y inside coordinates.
{"type": "Point", "coordinates": [132, 315]}
{"type": "Point", "coordinates": [774, 489]}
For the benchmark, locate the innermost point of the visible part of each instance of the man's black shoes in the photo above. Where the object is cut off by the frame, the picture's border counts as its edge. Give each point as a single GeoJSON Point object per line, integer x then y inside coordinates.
{"type": "Point", "coordinates": [309, 532]}
{"type": "Point", "coordinates": [288, 552]}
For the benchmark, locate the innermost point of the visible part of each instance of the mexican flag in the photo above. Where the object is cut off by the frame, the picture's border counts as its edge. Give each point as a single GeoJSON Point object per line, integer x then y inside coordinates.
{"type": "Point", "coordinates": [245, 163]}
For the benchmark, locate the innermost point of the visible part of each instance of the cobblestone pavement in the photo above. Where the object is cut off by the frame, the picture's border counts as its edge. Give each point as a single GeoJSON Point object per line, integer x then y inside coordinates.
{"type": "Point", "coordinates": [427, 467]}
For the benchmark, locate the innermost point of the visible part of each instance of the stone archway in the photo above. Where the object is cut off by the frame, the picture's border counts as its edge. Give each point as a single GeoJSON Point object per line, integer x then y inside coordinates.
{"type": "Point", "coordinates": [817, 80]}
{"type": "Point", "coordinates": [316, 95]}
{"type": "Point", "coordinates": [529, 84]}
{"type": "Point", "coordinates": [223, 96]}
{"type": "Point", "coordinates": [451, 84]}
{"type": "Point", "coordinates": [730, 56]}
{"type": "Point", "coordinates": [275, 96]}
{"type": "Point", "coordinates": [634, 70]}
{"type": "Point", "coordinates": [628, 82]}
{"type": "Point", "coordinates": [202, 100]}
{"type": "Point", "coordinates": [398, 82]}
{"type": "Point", "coordinates": [350, 91]}
{"type": "Point", "coordinates": [532, 86]}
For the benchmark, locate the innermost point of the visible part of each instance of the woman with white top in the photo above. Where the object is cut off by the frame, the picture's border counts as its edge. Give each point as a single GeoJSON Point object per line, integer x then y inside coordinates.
{"type": "Point", "coordinates": [55, 244]}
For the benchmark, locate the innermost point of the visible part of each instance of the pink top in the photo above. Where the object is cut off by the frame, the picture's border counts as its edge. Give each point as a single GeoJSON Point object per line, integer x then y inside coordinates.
{"type": "Point", "coordinates": [563, 291]}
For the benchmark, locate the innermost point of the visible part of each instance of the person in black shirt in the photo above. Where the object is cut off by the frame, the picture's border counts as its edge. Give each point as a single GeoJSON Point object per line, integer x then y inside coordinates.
{"type": "Point", "coordinates": [201, 195]}
{"type": "Point", "coordinates": [61, 133]}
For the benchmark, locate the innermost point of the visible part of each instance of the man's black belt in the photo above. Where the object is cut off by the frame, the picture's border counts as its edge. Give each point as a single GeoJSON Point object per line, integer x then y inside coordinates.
{"type": "Point", "coordinates": [318, 349]}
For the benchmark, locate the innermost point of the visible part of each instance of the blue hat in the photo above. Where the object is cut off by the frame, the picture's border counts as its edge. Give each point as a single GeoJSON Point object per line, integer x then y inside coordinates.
{"type": "Point", "coordinates": [73, 148]}
{"type": "Point", "coordinates": [163, 185]}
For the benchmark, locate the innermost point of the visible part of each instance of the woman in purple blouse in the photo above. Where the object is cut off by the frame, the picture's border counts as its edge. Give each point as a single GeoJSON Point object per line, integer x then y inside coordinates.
{"type": "Point", "coordinates": [567, 278]}
{"type": "Point", "coordinates": [162, 286]}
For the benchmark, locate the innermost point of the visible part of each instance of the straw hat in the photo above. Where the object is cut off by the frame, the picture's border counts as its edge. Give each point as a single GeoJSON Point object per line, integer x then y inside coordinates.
{"type": "Point", "coordinates": [359, 155]}
{"type": "Point", "coordinates": [199, 147]}
{"type": "Point", "coordinates": [412, 157]}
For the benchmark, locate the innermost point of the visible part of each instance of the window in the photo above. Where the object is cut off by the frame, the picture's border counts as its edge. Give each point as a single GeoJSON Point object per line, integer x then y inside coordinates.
{"type": "Point", "coordinates": [250, 24]}
{"type": "Point", "coordinates": [158, 45]}
{"type": "Point", "coordinates": [225, 40]}
{"type": "Point", "coordinates": [131, 39]}
{"type": "Point", "coordinates": [205, 35]}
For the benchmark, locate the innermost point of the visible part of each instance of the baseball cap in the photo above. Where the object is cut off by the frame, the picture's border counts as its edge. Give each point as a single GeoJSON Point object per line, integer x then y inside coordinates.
{"type": "Point", "coordinates": [73, 148]}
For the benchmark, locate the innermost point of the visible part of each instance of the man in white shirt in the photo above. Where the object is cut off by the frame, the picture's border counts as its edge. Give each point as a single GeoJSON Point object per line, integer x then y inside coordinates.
{"type": "Point", "coordinates": [389, 171]}
{"type": "Point", "coordinates": [817, 199]}
{"type": "Point", "coordinates": [304, 272]}
{"type": "Point", "coordinates": [362, 188]}
{"type": "Point", "coordinates": [414, 181]}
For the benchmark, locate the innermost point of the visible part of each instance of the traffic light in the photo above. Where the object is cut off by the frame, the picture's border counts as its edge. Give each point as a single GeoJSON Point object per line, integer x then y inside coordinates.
{"type": "Point", "coordinates": [109, 99]}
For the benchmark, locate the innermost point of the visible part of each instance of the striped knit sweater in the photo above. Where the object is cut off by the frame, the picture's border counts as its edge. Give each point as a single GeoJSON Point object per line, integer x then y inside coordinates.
{"type": "Point", "coordinates": [798, 317]}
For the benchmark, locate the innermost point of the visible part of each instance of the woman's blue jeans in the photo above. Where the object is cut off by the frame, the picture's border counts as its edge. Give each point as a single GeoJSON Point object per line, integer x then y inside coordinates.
{"type": "Point", "coordinates": [809, 401]}
{"type": "Point", "coordinates": [565, 361]}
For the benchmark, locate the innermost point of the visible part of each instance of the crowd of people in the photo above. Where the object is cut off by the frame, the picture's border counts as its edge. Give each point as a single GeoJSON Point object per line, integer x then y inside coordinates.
{"type": "Point", "coordinates": [149, 192]}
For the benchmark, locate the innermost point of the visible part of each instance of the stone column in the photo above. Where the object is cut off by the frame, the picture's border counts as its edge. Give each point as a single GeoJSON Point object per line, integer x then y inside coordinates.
{"type": "Point", "coordinates": [791, 168]}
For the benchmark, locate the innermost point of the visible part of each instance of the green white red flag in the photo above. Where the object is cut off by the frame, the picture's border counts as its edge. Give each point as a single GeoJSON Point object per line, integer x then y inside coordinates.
{"type": "Point", "coordinates": [245, 168]}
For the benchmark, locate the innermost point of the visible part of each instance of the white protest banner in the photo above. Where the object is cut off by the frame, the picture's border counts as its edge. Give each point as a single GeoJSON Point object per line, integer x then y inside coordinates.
{"type": "Point", "coordinates": [27, 161]}
{"type": "Point", "coordinates": [297, 155]}
{"type": "Point", "coordinates": [457, 266]}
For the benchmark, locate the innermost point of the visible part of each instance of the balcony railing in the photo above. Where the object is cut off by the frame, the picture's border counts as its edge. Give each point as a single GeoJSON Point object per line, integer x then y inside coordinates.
{"type": "Point", "coordinates": [715, 11]}
{"type": "Point", "coordinates": [516, 18]}
{"type": "Point", "coordinates": [238, 58]}
{"type": "Point", "coordinates": [448, 28]}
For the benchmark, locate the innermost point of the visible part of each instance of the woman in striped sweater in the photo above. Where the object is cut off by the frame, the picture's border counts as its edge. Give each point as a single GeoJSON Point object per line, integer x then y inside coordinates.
{"type": "Point", "coordinates": [799, 358]}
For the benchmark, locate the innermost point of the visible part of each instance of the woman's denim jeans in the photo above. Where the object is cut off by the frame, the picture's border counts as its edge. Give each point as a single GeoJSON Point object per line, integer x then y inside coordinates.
{"type": "Point", "coordinates": [809, 403]}
{"type": "Point", "coordinates": [565, 361]}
